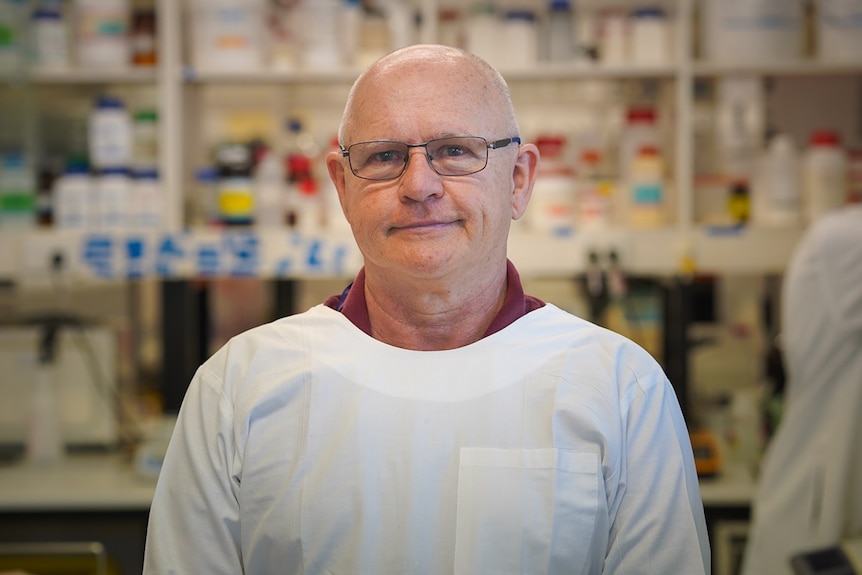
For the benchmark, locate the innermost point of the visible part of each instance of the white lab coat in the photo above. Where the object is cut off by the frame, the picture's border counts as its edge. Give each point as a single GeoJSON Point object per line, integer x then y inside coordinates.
{"type": "Point", "coordinates": [306, 446]}
{"type": "Point", "coordinates": [810, 489]}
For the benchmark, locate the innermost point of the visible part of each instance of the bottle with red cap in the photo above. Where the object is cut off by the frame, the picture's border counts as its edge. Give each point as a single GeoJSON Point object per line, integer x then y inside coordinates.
{"type": "Point", "coordinates": [640, 130]}
{"type": "Point", "coordinates": [824, 170]}
{"type": "Point", "coordinates": [553, 202]}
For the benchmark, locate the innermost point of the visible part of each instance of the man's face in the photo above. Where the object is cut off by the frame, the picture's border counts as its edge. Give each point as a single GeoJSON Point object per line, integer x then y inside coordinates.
{"type": "Point", "coordinates": [423, 224]}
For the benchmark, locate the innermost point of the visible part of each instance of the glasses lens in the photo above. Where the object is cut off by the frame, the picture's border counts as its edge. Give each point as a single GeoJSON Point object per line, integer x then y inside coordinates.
{"type": "Point", "coordinates": [458, 156]}
{"type": "Point", "coordinates": [381, 160]}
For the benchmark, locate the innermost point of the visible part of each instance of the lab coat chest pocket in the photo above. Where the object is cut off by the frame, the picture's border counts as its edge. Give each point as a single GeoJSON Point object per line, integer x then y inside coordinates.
{"type": "Point", "coordinates": [525, 511]}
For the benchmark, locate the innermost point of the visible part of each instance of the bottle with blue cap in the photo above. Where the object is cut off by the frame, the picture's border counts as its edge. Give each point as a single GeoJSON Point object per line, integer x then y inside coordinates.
{"type": "Point", "coordinates": [110, 134]}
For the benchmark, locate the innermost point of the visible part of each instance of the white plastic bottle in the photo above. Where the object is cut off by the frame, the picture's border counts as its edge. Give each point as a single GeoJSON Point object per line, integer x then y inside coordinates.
{"type": "Point", "coordinates": [147, 202]}
{"type": "Point", "coordinates": [752, 31]}
{"type": "Point", "coordinates": [560, 36]}
{"type": "Point", "coordinates": [484, 32]}
{"type": "Point", "coordinates": [72, 197]}
{"type": "Point", "coordinates": [17, 192]}
{"type": "Point", "coordinates": [320, 36]}
{"type": "Point", "coordinates": [553, 203]}
{"type": "Point", "coordinates": [824, 169]}
{"type": "Point", "coordinates": [521, 48]}
{"type": "Point", "coordinates": [270, 191]}
{"type": "Point", "coordinates": [50, 35]}
{"type": "Point", "coordinates": [839, 30]}
{"type": "Point", "coordinates": [650, 37]}
{"type": "Point", "coordinates": [228, 35]}
{"type": "Point", "coordinates": [647, 189]}
{"type": "Point", "coordinates": [102, 33]}
{"type": "Point", "coordinates": [110, 134]}
{"type": "Point", "coordinates": [113, 195]}
{"type": "Point", "coordinates": [778, 201]}
{"type": "Point", "coordinates": [640, 129]}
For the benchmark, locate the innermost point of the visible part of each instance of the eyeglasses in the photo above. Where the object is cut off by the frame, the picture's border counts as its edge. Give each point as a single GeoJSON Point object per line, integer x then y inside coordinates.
{"type": "Point", "coordinates": [455, 156]}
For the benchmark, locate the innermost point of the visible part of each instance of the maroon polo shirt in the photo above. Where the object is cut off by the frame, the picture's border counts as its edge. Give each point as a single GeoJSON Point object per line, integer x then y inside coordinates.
{"type": "Point", "coordinates": [351, 302]}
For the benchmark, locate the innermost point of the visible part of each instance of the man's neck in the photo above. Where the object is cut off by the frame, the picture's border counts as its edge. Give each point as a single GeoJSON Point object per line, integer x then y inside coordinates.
{"type": "Point", "coordinates": [431, 316]}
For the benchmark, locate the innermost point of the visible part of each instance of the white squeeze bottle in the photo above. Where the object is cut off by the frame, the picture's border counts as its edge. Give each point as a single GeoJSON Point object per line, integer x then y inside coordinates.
{"type": "Point", "coordinates": [72, 192]}
{"type": "Point", "coordinates": [779, 200]}
{"type": "Point", "coordinates": [824, 169]}
{"type": "Point", "coordinates": [270, 190]}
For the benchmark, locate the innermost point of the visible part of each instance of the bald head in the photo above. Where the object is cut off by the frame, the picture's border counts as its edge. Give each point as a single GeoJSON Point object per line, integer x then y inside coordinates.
{"type": "Point", "coordinates": [443, 67]}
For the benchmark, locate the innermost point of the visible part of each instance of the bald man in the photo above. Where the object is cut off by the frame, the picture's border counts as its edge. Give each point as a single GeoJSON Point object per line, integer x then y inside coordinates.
{"type": "Point", "coordinates": [431, 418]}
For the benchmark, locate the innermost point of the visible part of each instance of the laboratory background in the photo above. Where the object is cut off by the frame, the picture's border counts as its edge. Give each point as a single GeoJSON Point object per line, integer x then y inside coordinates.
{"type": "Point", "coordinates": [162, 189]}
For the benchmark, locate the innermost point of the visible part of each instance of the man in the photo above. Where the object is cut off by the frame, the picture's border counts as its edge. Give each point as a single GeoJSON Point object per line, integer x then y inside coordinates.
{"type": "Point", "coordinates": [809, 494]}
{"type": "Point", "coordinates": [433, 418]}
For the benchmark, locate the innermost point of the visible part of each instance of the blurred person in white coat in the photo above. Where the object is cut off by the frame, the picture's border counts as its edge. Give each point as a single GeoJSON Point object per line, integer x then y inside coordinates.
{"type": "Point", "coordinates": [809, 493]}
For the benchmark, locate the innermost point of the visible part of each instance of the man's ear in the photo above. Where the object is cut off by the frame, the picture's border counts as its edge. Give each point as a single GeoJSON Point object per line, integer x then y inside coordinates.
{"type": "Point", "coordinates": [335, 167]}
{"type": "Point", "coordinates": [523, 178]}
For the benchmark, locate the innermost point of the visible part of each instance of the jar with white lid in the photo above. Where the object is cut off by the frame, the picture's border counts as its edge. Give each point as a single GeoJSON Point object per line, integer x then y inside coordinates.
{"type": "Point", "coordinates": [824, 174]}
{"type": "Point", "coordinates": [102, 33]}
{"type": "Point", "coordinates": [521, 48]}
{"type": "Point", "coordinates": [110, 134]}
{"type": "Point", "coordinates": [227, 35]}
{"type": "Point", "coordinates": [484, 28]}
{"type": "Point", "coordinates": [50, 36]}
{"type": "Point", "coordinates": [650, 37]}
{"type": "Point", "coordinates": [752, 31]}
{"type": "Point", "coordinates": [560, 34]}
{"type": "Point", "coordinates": [839, 30]}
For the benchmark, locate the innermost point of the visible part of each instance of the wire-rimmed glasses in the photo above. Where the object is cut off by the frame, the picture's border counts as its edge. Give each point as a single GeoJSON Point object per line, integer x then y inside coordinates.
{"type": "Point", "coordinates": [453, 156]}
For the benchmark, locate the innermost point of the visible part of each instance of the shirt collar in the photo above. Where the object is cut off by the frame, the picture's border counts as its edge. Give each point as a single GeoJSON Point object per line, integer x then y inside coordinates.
{"type": "Point", "coordinates": [351, 302]}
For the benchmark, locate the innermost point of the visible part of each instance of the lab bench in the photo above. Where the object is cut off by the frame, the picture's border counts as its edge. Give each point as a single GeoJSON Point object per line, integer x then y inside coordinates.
{"type": "Point", "coordinates": [98, 497]}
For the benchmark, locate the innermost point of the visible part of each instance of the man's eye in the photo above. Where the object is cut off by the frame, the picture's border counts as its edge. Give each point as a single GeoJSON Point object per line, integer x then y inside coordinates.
{"type": "Point", "coordinates": [452, 151]}
{"type": "Point", "coordinates": [386, 156]}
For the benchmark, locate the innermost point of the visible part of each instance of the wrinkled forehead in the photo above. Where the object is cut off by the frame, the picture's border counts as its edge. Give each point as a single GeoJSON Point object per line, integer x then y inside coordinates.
{"type": "Point", "coordinates": [420, 100]}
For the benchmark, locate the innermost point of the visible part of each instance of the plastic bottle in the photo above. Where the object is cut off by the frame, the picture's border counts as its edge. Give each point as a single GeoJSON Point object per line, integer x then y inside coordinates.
{"type": "Point", "coordinates": [228, 35]}
{"type": "Point", "coordinates": [594, 192]}
{"type": "Point", "coordinates": [102, 33]}
{"type": "Point", "coordinates": [204, 201]}
{"type": "Point", "coordinates": [779, 202]}
{"type": "Point", "coordinates": [647, 188]}
{"type": "Point", "coordinates": [650, 37]}
{"type": "Point", "coordinates": [17, 192]}
{"type": "Point", "coordinates": [554, 200]}
{"type": "Point", "coordinates": [560, 36]}
{"type": "Point", "coordinates": [235, 186]}
{"type": "Point", "coordinates": [113, 199]}
{"type": "Point", "coordinates": [14, 28]}
{"type": "Point", "coordinates": [613, 41]}
{"type": "Point", "coordinates": [399, 18]}
{"type": "Point", "coordinates": [71, 197]}
{"type": "Point", "coordinates": [449, 28]}
{"type": "Point", "coordinates": [147, 201]}
{"type": "Point", "coordinates": [521, 48]}
{"type": "Point", "coordinates": [752, 31]}
{"type": "Point", "coordinates": [110, 134]}
{"type": "Point", "coordinates": [50, 36]}
{"type": "Point", "coordinates": [145, 135]}
{"type": "Point", "coordinates": [839, 30]}
{"type": "Point", "coordinates": [484, 32]}
{"type": "Point", "coordinates": [640, 130]}
{"type": "Point", "coordinates": [320, 36]}
{"type": "Point", "coordinates": [144, 44]}
{"type": "Point", "coordinates": [270, 191]}
{"type": "Point", "coordinates": [350, 20]}
{"type": "Point", "coordinates": [824, 174]}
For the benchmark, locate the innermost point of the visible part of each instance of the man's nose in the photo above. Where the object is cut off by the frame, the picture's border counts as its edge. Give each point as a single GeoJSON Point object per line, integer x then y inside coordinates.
{"type": "Point", "coordinates": [419, 180]}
